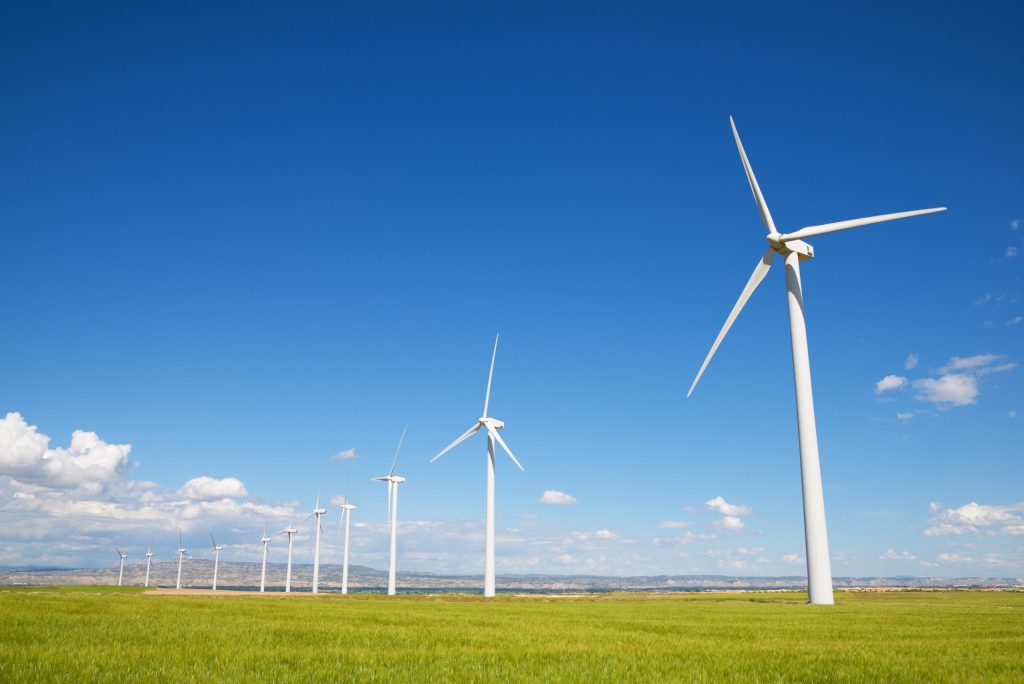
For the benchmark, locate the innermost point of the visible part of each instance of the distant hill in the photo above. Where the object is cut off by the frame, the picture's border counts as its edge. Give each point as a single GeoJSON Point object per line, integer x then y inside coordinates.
{"type": "Point", "coordinates": [199, 573]}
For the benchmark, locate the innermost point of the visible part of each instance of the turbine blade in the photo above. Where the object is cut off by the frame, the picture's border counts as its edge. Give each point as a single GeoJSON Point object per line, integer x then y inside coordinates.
{"type": "Point", "coordinates": [762, 206]}
{"type": "Point", "coordinates": [213, 540]}
{"type": "Point", "coordinates": [307, 518]}
{"type": "Point", "coordinates": [316, 507]}
{"type": "Point", "coordinates": [465, 435]}
{"type": "Point", "coordinates": [811, 231]}
{"type": "Point", "coordinates": [497, 438]}
{"type": "Point", "coordinates": [490, 375]}
{"type": "Point", "coordinates": [760, 271]}
{"type": "Point", "coordinates": [400, 440]}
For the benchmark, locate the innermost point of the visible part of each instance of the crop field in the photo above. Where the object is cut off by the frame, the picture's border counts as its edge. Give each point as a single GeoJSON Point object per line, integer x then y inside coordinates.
{"type": "Point", "coordinates": [111, 634]}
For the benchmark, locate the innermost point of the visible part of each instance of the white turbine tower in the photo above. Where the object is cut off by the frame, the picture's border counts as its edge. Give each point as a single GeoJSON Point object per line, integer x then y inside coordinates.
{"type": "Point", "coordinates": [393, 482]}
{"type": "Point", "coordinates": [181, 555]}
{"type": "Point", "coordinates": [149, 562]}
{"type": "Point", "coordinates": [120, 574]}
{"type": "Point", "coordinates": [317, 511]}
{"type": "Point", "coordinates": [346, 518]}
{"type": "Point", "coordinates": [216, 559]}
{"type": "Point", "coordinates": [290, 531]}
{"type": "Point", "coordinates": [265, 541]}
{"type": "Point", "coordinates": [792, 248]}
{"type": "Point", "coordinates": [491, 426]}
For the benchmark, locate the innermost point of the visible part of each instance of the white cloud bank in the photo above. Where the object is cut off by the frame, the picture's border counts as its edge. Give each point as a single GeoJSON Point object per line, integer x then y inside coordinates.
{"type": "Point", "coordinates": [889, 383]}
{"type": "Point", "coordinates": [958, 383]}
{"type": "Point", "coordinates": [554, 497]}
{"type": "Point", "coordinates": [977, 519]}
{"type": "Point", "coordinates": [87, 462]}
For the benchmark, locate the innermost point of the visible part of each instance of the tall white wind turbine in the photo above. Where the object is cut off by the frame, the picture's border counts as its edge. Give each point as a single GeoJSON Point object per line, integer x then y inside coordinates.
{"type": "Point", "coordinates": [149, 562]}
{"type": "Point", "coordinates": [794, 250]}
{"type": "Point", "coordinates": [291, 532]}
{"type": "Point", "coordinates": [120, 574]}
{"type": "Point", "coordinates": [393, 482]}
{"type": "Point", "coordinates": [346, 519]}
{"type": "Point", "coordinates": [265, 541]}
{"type": "Point", "coordinates": [216, 559]}
{"type": "Point", "coordinates": [317, 511]}
{"type": "Point", "coordinates": [491, 426]}
{"type": "Point", "coordinates": [181, 555]}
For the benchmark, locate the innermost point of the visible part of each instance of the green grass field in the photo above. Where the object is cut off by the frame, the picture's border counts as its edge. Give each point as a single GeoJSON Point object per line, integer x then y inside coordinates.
{"type": "Point", "coordinates": [110, 634]}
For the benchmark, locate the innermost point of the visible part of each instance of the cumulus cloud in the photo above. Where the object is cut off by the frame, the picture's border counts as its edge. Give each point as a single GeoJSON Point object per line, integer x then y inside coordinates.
{"type": "Point", "coordinates": [556, 498]}
{"type": "Point", "coordinates": [904, 416]}
{"type": "Point", "coordinates": [678, 540]}
{"type": "Point", "coordinates": [889, 383]}
{"type": "Point", "coordinates": [731, 520]}
{"type": "Point", "coordinates": [976, 519]}
{"type": "Point", "coordinates": [88, 461]}
{"type": "Point", "coordinates": [606, 534]}
{"type": "Point", "coordinates": [1010, 252]}
{"type": "Point", "coordinates": [793, 559]}
{"type": "Point", "coordinates": [912, 361]}
{"type": "Point", "coordinates": [893, 555]}
{"type": "Point", "coordinates": [725, 508]}
{"type": "Point", "coordinates": [344, 455]}
{"type": "Point", "coordinates": [207, 488]}
{"type": "Point", "coordinates": [957, 389]}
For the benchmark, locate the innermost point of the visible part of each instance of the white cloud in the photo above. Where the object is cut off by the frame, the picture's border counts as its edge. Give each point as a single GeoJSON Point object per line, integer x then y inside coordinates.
{"type": "Point", "coordinates": [725, 508]}
{"type": "Point", "coordinates": [1010, 252]}
{"type": "Point", "coordinates": [606, 534]}
{"type": "Point", "coordinates": [793, 559]}
{"type": "Point", "coordinates": [967, 362]}
{"type": "Point", "coordinates": [674, 524]}
{"type": "Point", "coordinates": [1015, 320]}
{"type": "Point", "coordinates": [904, 416]}
{"type": "Point", "coordinates": [912, 361]}
{"type": "Point", "coordinates": [344, 455]}
{"type": "Point", "coordinates": [679, 540]}
{"type": "Point", "coordinates": [731, 514]}
{"type": "Point", "coordinates": [957, 389]}
{"type": "Point", "coordinates": [1012, 414]}
{"type": "Point", "coordinates": [557, 498]}
{"type": "Point", "coordinates": [890, 382]}
{"type": "Point", "coordinates": [205, 488]}
{"type": "Point", "coordinates": [88, 461]}
{"type": "Point", "coordinates": [892, 554]}
{"type": "Point", "coordinates": [976, 519]}
{"type": "Point", "coordinates": [729, 522]}
{"type": "Point", "coordinates": [1015, 224]}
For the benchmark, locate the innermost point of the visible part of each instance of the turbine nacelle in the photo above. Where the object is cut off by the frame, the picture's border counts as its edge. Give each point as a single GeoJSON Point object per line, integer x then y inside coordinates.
{"type": "Point", "coordinates": [492, 422]}
{"type": "Point", "coordinates": [784, 246]}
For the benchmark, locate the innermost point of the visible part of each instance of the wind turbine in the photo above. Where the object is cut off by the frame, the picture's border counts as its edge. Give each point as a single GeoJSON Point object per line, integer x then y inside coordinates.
{"type": "Point", "coordinates": [265, 541]}
{"type": "Point", "coordinates": [346, 518]}
{"type": "Point", "coordinates": [181, 555]}
{"type": "Point", "coordinates": [149, 562]}
{"type": "Point", "coordinates": [120, 574]}
{"type": "Point", "coordinates": [216, 559]}
{"type": "Point", "coordinates": [290, 531]}
{"type": "Point", "coordinates": [491, 426]}
{"type": "Point", "coordinates": [794, 250]}
{"type": "Point", "coordinates": [317, 511]}
{"type": "Point", "coordinates": [393, 482]}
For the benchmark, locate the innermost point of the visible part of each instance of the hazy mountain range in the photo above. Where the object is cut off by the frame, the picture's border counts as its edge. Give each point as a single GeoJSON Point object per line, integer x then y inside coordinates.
{"type": "Point", "coordinates": [199, 574]}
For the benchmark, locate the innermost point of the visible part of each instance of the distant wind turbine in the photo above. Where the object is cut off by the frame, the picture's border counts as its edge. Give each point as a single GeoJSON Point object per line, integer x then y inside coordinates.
{"type": "Point", "coordinates": [181, 555]}
{"type": "Point", "coordinates": [216, 559]}
{"type": "Point", "coordinates": [265, 541]}
{"type": "Point", "coordinates": [291, 532]}
{"type": "Point", "coordinates": [491, 426]}
{"type": "Point", "coordinates": [346, 518]}
{"type": "Point", "coordinates": [149, 562]}
{"type": "Point", "coordinates": [393, 482]}
{"type": "Point", "coordinates": [317, 511]}
{"type": "Point", "coordinates": [794, 250]}
{"type": "Point", "coordinates": [120, 574]}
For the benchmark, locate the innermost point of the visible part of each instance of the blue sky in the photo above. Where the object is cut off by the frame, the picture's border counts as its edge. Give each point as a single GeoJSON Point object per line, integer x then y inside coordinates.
{"type": "Point", "coordinates": [242, 239]}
